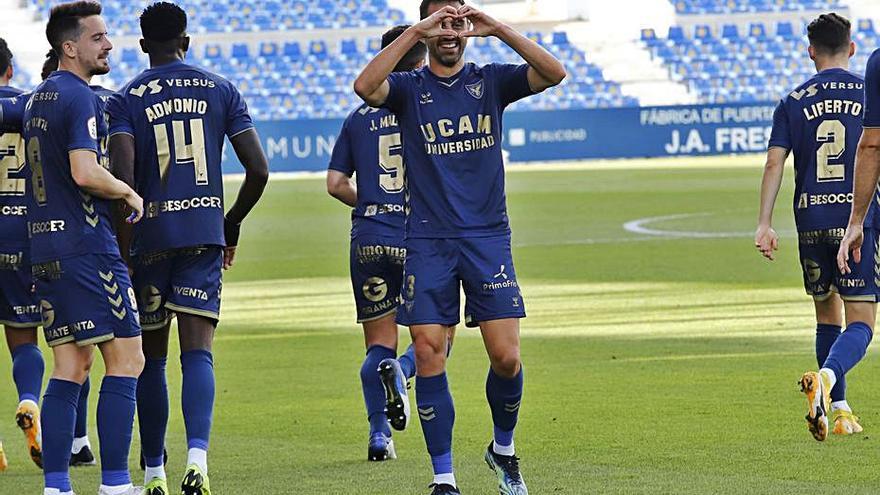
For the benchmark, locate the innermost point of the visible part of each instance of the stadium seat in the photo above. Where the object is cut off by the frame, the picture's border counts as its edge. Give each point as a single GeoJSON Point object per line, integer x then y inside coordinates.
{"type": "Point", "coordinates": [784, 30]}
{"type": "Point", "coordinates": [240, 51]}
{"type": "Point", "coordinates": [318, 49]}
{"type": "Point", "coordinates": [702, 32]}
{"type": "Point", "coordinates": [676, 33]}
{"type": "Point", "coordinates": [649, 36]}
{"type": "Point", "coordinates": [757, 31]}
{"type": "Point", "coordinates": [866, 26]}
{"type": "Point", "coordinates": [292, 50]}
{"type": "Point", "coordinates": [730, 32]}
{"type": "Point", "coordinates": [560, 38]}
{"type": "Point", "coordinates": [268, 49]}
{"type": "Point", "coordinates": [349, 47]}
{"type": "Point", "coordinates": [213, 52]}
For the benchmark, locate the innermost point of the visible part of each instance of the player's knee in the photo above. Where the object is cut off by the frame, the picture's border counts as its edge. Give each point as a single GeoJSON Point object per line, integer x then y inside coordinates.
{"type": "Point", "coordinates": [72, 369]}
{"type": "Point", "coordinates": [131, 364]}
{"type": "Point", "coordinates": [430, 354]}
{"type": "Point", "coordinates": [506, 363]}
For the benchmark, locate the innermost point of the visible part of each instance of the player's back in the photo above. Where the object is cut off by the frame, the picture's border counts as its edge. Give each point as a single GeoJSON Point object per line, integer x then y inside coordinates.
{"type": "Point", "coordinates": [64, 115]}
{"type": "Point", "coordinates": [13, 207]}
{"type": "Point", "coordinates": [822, 123]}
{"type": "Point", "coordinates": [370, 147]}
{"type": "Point", "coordinates": [178, 115]}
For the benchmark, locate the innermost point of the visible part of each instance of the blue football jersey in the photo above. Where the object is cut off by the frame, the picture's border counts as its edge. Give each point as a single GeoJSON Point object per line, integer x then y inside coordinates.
{"type": "Point", "coordinates": [13, 205]}
{"type": "Point", "coordinates": [821, 123]}
{"type": "Point", "coordinates": [451, 133]}
{"type": "Point", "coordinates": [62, 115]}
{"type": "Point", "coordinates": [369, 147]}
{"type": "Point", "coordinates": [872, 91]}
{"type": "Point", "coordinates": [178, 115]}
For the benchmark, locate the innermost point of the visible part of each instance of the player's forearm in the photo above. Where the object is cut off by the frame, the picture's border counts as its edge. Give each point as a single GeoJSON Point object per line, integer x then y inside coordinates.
{"type": "Point", "coordinates": [97, 181]}
{"type": "Point", "coordinates": [343, 189]}
{"type": "Point", "coordinates": [122, 153]}
{"type": "Point", "coordinates": [548, 67]}
{"type": "Point", "coordinates": [375, 74]}
{"type": "Point", "coordinates": [250, 153]}
{"type": "Point", "coordinates": [770, 184]}
{"type": "Point", "coordinates": [867, 171]}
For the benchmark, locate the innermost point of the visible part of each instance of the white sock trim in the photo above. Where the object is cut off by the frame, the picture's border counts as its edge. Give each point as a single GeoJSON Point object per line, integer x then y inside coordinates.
{"type": "Point", "coordinates": [154, 472]}
{"type": "Point", "coordinates": [445, 479]}
{"type": "Point", "coordinates": [198, 457]}
{"type": "Point", "coordinates": [28, 401]}
{"type": "Point", "coordinates": [832, 378]}
{"type": "Point", "coordinates": [840, 405]}
{"type": "Point", "coordinates": [114, 490]}
{"type": "Point", "coordinates": [506, 450]}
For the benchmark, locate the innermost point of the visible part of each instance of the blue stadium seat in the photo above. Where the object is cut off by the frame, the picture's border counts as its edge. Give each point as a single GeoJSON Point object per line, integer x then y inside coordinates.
{"type": "Point", "coordinates": [784, 30]}
{"type": "Point", "coordinates": [702, 32]}
{"type": "Point", "coordinates": [292, 50]}
{"type": "Point", "coordinates": [213, 52]}
{"type": "Point", "coordinates": [318, 49]}
{"type": "Point", "coordinates": [757, 31]}
{"type": "Point", "coordinates": [649, 36]}
{"type": "Point", "coordinates": [730, 32]}
{"type": "Point", "coordinates": [866, 26]}
{"type": "Point", "coordinates": [349, 47]}
{"type": "Point", "coordinates": [560, 38]}
{"type": "Point", "coordinates": [129, 55]}
{"type": "Point", "coordinates": [676, 33]}
{"type": "Point", "coordinates": [240, 51]}
{"type": "Point", "coordinates": [268, 49]}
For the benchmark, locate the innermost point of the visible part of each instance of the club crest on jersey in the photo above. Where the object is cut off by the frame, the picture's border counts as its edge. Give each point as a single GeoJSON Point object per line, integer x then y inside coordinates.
{"type": "Point", "coordinates": [475, 89]}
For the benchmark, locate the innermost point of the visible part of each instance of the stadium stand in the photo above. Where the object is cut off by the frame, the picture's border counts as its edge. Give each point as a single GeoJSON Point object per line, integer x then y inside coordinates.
{"type": "Point", "coordinates": [760, 63]}
{"type": "Point", "coordinates": [703, 7]}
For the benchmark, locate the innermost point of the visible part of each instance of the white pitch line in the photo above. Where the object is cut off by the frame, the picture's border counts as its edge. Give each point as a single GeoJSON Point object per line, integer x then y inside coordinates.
{"type": "Point", "coordinates": [640, 227]}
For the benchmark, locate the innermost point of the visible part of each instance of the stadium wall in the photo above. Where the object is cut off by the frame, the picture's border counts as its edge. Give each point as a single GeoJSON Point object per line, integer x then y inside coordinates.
{"type": "Point", "coordinates": [638, 132]}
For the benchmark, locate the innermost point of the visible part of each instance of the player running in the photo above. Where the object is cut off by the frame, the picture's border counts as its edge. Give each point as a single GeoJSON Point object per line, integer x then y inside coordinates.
{"type": "Point", "coordinates": [168, 126]}
{"type": "Point", "coordinates": [369, 147]}
{"type": "Point", "coordinates": [19, 306]}
{"type": "Point", "coordinates": [85, 294]}
{"type": "Point", "coordinates": [820, 121]}
{"type": "Point", "coordinates": [457, 230]}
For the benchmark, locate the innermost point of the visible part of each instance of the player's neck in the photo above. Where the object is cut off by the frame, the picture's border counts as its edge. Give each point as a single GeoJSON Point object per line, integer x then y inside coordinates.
{"type": "Point", "coordinates": [163, 59]}
{"type": "Point", "coordinates": [832, 63]}
{"type": "Point", "coordinates": [4, 82]}
{"type": "Point", "coordinates": [441, 70]}
{"type": "Point", "coordinates": [76, 71]}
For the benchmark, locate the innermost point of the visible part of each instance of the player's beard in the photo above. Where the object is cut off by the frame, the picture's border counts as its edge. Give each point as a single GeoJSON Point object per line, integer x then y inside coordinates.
{"type": "Point", "coordinates": [447, 59]}
{"type": "Point", "coordinates": [100, 67]}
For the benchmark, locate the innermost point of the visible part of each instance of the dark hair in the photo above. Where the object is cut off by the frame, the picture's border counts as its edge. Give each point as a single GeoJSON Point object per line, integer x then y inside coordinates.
{"type": "Point", "coordinates": [415, 54]}
{"type": "Point", "coordinates": [163, 21]}
{"type": "Point", "coordinates": [50, 65]}
{"type": "Point", "coordinates": [423, 8]}
{"type": "Point", "coordinates": [829, 34]}
{"type": "Point", "coordinates": [5, 56]}
{"type": "Point", "coordinates": [64, 21]}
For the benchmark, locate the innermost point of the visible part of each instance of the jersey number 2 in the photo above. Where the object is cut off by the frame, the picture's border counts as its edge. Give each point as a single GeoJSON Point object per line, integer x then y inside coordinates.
{"type": "Point", "coordinates": [184, 154]}
{"type": "Point", "coordinates": [832, 135]}
{"type": "Point", "coordinates": [392, 182]}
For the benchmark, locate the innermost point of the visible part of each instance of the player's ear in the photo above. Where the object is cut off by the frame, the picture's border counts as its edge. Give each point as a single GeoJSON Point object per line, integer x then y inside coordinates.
{"type": "Point", "coordinates": [812, 52]}
{"type": "Point", "coordinates": [184, 45]}
{"type": "Point", "coordinates": [69, 49]}
{"type": "Point", "coordinates": [143, 44]}
{"type": "Point", "coordinates": [852, 48]}
{"type": "Point", "coordinates": [9, 72]}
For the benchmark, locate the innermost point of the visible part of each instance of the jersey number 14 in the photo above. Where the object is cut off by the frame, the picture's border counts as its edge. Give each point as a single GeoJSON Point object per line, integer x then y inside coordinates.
{"type": "Point", "coordinates": [184, 154]}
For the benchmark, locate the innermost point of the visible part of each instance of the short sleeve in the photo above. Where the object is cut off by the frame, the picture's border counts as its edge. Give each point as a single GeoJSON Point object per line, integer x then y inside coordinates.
{"type": "Point", "coordinates": [82, 122]}
{"type": "Point", "coordinates": [238, 119]}
{"type": "Point", "coordinates": [12, 113]}
{"type": "Point", "coordinates": [780, 136]}
{"type": "Point", "coordinates": [341, 159]}
{"type": "Point", "coordinates": [511, 82]}
{"type": "Point", "coordinates": [120, 119]}
{"type": "Point", "coordinates": [872, 91]}
{"type": "Point", "coordinates": [399, 84]}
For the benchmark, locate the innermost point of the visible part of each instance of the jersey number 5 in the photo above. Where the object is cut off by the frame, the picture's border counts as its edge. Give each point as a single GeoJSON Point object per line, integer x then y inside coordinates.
{"type": "Point", "coordinates": [832, 135]}
{"type": "Point", "coordinates": [184, 154]}
{"type": "Point", "coordinates": [392, 182]}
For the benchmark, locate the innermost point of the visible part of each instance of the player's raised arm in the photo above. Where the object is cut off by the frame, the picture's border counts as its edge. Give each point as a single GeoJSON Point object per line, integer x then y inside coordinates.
{"type": "Point", "coordinates": [372, 83]}
{"type": "Point", "coordinates": [766, 239]}
{"type": "Point", "coordinates": [545, 70]}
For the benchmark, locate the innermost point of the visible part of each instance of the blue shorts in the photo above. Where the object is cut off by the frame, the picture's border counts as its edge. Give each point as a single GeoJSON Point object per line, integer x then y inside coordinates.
{"type": "Point", "coordinates": [435, 270]}
{"type": "Point", "coordinates": [818, 256]}
{"type": "Point", "coordinates": [19, 306]}
{"type": "Point", "coordinates": [86, 299]}
{"type": "Point", "coordinates": [376, 274]}
{"type": "Point", "coordinates": [186, 280]}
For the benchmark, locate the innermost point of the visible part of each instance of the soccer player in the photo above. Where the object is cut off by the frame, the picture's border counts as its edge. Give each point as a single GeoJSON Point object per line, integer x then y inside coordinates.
{"type": "Point", "coordinates": [369, 146]}
{"type": "Point", "coordinates": [168, 126]}
{"type": "Point", "coordinates": [457, 230]}
{"type": "Point", "coordinates": [820, 122]}
{"type": "Point", "coordinates": [85, 294]}
{"type": "Point", "coordinates": [19, 307]}
{"type": "Point", "coordinates": [11, 120]}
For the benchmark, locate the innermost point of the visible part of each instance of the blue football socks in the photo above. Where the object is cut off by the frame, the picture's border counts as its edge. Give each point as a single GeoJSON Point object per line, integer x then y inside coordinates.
{"type": "Point", "coordinates": [437, 415]}
{"type": "Point", "coordinates": [198, 397]}
{"type": "Point", "coordinates": [116, 406]}
{"type": "Point", "coordinates": [504, 396]}
{"type": "Point", "coordinates": [82, 410]}
{"type": "Point", "coordinates": [153, 411]}
{"type": "Point", "coordinates": [408, 362]}
{"type": "Point", "coordinates": [57, 421]}
{"type": "Point", "coordinates": [849, 349]}
{"type": "Point", "coordinates": [374, 393]}
{"type": "Point", "coordinates": [27, 371]}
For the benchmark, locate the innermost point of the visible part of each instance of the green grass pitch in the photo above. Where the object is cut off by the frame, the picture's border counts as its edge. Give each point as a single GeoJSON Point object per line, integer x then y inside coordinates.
{"type": "Point", "coordinates": [655, 362]}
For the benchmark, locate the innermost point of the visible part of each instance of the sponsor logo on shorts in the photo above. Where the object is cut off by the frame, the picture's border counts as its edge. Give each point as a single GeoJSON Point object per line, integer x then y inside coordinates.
{"type": "Point", "coordinates": [378, 308]}
{"type": "Point", "coordinates": [11, 261]}
{"type": "Point", "coordinates": [151, 299]}
{"type": "Point", "coordinates": [31, 309]}
{"type": "Point", "coordinates": [850, 283]}
{"type": "Point", "coordinates": [373, 253]}
{"type": "Point", "coordinates": [812, 270]}
{"type": "Point", "coordinates": [47, 312]}
{"type": "Point", "coordinates": [821, 236]}
{"type": "Point", "coordinates": [67, 330]}
{"type": "Point", "coordinates": [375, 289]}
{"type": "Point", "coordinates": [500, 281]}
{"type": "Point", "coordinates": [191, 292]}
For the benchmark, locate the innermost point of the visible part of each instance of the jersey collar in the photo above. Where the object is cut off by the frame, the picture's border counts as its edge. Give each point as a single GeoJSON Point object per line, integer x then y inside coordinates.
{"type": "Point", "coordinates": [451, 81]}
